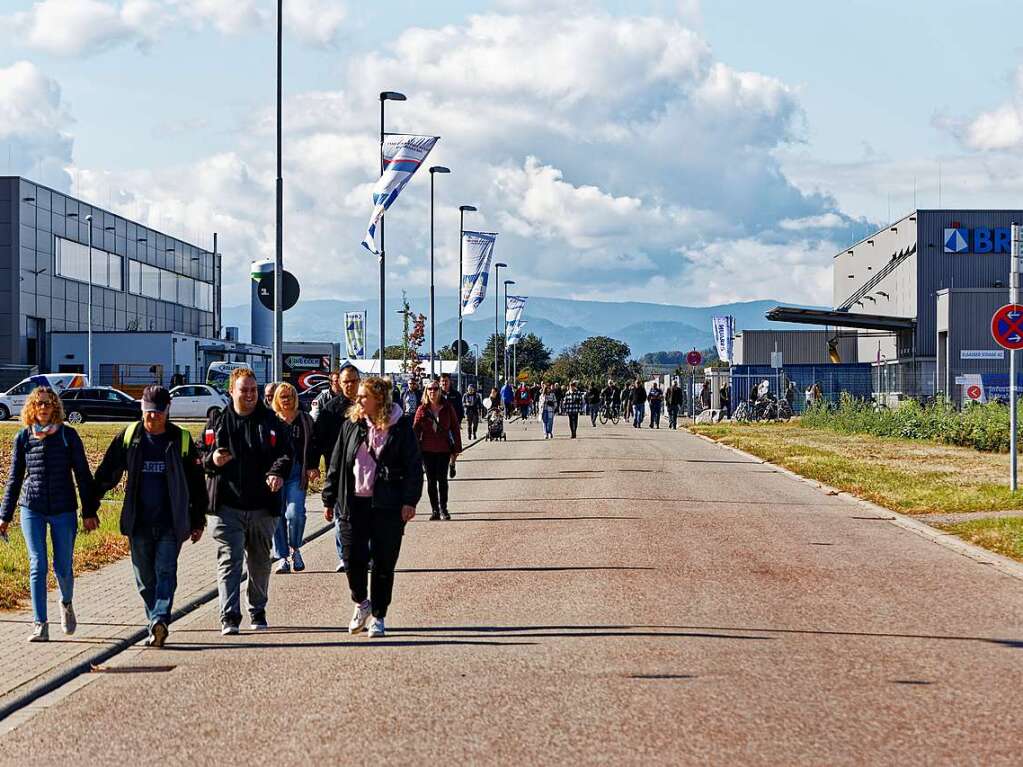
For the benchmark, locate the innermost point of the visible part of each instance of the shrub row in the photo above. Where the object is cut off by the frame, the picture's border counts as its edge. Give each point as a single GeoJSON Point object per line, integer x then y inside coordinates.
{"type": "Point", "coordinates": [980, 426]}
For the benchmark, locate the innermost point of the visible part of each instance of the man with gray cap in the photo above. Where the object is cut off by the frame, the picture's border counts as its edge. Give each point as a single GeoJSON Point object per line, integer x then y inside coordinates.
{"type": "Point", "coordinates": [165, 501]}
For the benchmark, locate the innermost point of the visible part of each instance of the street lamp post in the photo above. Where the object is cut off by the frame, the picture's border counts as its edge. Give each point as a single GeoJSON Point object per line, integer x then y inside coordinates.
{"type": "Point", "coordinates": [279, 249]}
{"type": "Point", "coordinates": [384, 96]}
{"type": "Point", "coordinates": [477, 358]}
{"type": "Point", "coordinates": [433, 310]}
{"type": "Point", "coordinates": [462, 210]}
{"type": "Point", "coordinates": [504, 355]}
{"type": "Point", "coordinates": [497, 306]}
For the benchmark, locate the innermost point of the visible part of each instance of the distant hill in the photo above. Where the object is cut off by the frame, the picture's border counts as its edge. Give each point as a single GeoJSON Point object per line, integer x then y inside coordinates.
{"type": "Point", "coordinates": [561, 322]}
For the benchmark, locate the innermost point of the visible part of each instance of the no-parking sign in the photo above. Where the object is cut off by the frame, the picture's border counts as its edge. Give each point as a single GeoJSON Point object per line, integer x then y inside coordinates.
{"type": "Point", "coordinates": [694, 358]}
{"type": "Point", "coordinates": [1007, 327]}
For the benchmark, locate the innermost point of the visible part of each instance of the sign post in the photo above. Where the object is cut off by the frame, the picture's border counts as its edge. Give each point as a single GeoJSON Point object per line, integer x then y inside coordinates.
{"type": "Point", "coordinates": [1007, 330]}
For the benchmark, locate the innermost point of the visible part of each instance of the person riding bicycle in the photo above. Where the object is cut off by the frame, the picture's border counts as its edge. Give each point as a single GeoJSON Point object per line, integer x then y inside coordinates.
{"type": "Point", "coordinates": [610, 397]}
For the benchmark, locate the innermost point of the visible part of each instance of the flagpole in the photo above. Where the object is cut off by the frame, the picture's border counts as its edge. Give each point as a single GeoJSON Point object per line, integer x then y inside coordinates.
{"type": "Point", "coordinates": [279, 258]}
{"type": "Point", "coordinates": [384, 96]}
{"type": "Point", "coordinates": [497, 305]}
{"type": "Point", "coordinates": [433, 310]}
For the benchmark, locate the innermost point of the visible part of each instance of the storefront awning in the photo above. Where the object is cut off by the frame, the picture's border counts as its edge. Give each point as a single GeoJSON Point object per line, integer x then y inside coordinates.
{"type": "Point", "coordinates": [839, 319]}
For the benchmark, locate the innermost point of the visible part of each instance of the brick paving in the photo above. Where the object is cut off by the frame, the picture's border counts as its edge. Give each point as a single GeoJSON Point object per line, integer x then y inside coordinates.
{"type": "Point", "coordinates": [109, 612]}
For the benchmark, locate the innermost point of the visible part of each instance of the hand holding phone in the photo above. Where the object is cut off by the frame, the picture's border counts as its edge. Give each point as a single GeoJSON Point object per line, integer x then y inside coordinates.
{"type": "Point", "coordinates": [222, 456]}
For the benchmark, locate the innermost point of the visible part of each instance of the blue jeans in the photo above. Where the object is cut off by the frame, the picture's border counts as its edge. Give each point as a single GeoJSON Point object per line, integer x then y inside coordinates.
{"type": "Point", "coordinates": [154, 557]}
{"type": "Point", "coordinates": [655, 416]}
{"type": "Point", "coordinates": [63, 529]}
{"type": "Point", "coordinates": [291, 525]}
{"type": "Point", "coordinates": [548, 421]}
{"type": "Point", "coordinates": [637, 414]}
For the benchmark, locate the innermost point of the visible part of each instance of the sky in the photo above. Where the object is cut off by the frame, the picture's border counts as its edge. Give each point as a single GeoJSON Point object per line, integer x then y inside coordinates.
{"type": "Point", "coordinates": [678, 152]}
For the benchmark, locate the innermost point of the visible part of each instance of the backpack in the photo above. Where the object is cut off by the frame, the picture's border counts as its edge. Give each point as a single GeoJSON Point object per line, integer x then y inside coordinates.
{"type": "Point", "coordinates": [129, 433]}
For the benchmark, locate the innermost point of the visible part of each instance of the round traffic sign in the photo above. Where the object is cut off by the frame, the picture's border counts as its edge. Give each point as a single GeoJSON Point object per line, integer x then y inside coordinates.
{"type": "Point", "coordinates": [265, 290]}
{"type": "Point", "coordinates": [974, 392]}
{"type": "Point", "coordinates": [694, 358]}
{"type": "Point", "coordinates": [1007, 326]}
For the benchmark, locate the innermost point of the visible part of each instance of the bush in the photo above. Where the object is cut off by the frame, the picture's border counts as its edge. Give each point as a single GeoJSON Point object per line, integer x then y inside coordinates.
{"type": "Point", "coordinates": [980, 426]}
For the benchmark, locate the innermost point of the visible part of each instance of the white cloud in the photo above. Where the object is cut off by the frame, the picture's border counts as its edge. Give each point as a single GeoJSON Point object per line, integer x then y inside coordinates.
{"type": "Point", "coordinates": [825, 221]}
{"type": "Point", "coordinates": [614, 155]}
{"type": "Point", "coordinates": [33, 124]}
{"type": "Point", "coordinates": [315, 22]}
{"type": "Point", "coordinates": [77, 27]}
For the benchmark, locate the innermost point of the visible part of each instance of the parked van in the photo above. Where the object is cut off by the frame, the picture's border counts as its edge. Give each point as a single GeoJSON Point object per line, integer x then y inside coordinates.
{"type": "Point", "coordinates": [13, 400]}
{"type": "Point", "coordinates": [219, 374]}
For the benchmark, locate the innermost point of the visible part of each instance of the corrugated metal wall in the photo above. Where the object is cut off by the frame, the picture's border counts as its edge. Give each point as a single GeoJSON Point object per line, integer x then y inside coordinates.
{"type": "Point", "coordinates": [798, 347]}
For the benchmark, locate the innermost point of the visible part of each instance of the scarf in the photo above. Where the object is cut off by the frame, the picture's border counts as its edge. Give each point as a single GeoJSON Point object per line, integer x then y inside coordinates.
{"type": "Point", "coordinates": [368, 453]}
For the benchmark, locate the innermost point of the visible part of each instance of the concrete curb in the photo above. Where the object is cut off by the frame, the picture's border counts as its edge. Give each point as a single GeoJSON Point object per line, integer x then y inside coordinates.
{"type": "Point", "coordinates": [951, 541]}
{"type": "Point", "coordinates": [30, 696]}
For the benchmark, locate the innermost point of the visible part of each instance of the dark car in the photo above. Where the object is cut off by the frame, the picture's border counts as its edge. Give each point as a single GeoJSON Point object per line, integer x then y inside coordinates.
{"type": "Point", "coordinates": [99, 403]}
{"type": "Point", "coordinates": [305, 399]}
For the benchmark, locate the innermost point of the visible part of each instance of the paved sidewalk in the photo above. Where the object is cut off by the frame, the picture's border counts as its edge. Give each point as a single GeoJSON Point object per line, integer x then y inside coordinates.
{"type": "Point", "coordinates": [110, 612]}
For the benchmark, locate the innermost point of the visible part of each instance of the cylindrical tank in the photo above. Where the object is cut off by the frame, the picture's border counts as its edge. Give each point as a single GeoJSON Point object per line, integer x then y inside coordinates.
{"type": "Point", "coordinates": [262, 318]}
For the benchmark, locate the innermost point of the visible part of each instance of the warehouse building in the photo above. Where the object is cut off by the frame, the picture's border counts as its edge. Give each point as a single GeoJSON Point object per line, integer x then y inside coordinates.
{"type": "Point", "coordinates": [918, 295]}
{"type": "Point", "coordinates": [141, 280]}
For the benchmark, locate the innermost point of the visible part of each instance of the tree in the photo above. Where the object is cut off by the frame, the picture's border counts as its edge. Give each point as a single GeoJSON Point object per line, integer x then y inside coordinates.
{"type": "Point", "coordinates": [530, 355]}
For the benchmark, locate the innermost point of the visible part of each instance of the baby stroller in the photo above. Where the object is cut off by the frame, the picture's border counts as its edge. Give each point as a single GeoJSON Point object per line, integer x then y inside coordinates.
{"type": "Point", "coordinates": [495, 425]}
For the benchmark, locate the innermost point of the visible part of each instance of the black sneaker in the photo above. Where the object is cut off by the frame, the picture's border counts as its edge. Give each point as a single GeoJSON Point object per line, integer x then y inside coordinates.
{"type": "Point", "coordinates": [444, 514]}
{"type": "Point", "coordinates": [451, 471]}
{"type": "Point", "coordinates": [435, 516]}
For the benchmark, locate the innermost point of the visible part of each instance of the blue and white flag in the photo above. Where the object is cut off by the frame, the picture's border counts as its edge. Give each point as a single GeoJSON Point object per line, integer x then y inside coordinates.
{"type": "Point", "coordinates": [477, 253]}
{"type": "Point", "coordinates": [724, 335]}
{"type": "Point", "coordinates": [513, 309]}
{"type": "Point", "coordinates": [355, 335]}
{"type": "Point", "coordinates": [403, 155]}
{"type": "Point", "coordinates": [514, 330]}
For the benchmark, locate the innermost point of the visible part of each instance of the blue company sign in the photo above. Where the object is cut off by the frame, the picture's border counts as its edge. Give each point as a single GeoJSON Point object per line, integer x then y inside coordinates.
{"type": "Point", "coordinates": [981, 240]}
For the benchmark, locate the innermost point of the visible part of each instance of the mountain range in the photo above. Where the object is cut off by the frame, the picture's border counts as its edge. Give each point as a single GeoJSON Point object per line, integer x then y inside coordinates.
{"type": "Point", "coordinates": [560, 322]}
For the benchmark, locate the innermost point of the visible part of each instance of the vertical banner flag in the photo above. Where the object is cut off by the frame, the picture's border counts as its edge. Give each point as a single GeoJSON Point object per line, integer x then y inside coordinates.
{"type": "Point", "coordinates": [724, 335]}
{"type": "Point", "coordinates": [515, 332]}
{"type": "Point", "coordinates": [355, 335]}
{"type": "Point", "coordinates": [513, 309]}
{"type": "Point", "coordinates": [403, 155]}
{"type": "Point", "coordinates": [477, 253]}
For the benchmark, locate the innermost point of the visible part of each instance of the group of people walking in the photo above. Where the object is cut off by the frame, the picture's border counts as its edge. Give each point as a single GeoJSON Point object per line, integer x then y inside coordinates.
{"type": "Point", "coordinates": [246, 479]}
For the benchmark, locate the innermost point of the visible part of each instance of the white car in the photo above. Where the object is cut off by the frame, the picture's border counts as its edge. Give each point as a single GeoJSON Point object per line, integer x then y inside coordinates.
{"type": "Point", "coordinates": [196, 401]}
{"type": "Point", "coordinates": [13, 400]}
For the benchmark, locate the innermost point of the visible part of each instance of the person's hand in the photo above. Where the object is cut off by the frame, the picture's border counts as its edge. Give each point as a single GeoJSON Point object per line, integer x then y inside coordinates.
{"type": "Point", "coordinates": [328, 514]}
{"type": "Point", "coordinates": [274, 482]}
{"type": "Point", "coordinates": [90, 523]}
{"type": "Point", "coordinates": [221, 456]}
{"type": "Point", "coordinates": [312, 475]}
{"type": "Point", "coordinates": [3, 528]}
{"type": "Point", "coordinates": [196, 535]}
{"type": "Point", "coordinates": [407, 512]}
{"type": "Point", "coordinates": [454, 457]}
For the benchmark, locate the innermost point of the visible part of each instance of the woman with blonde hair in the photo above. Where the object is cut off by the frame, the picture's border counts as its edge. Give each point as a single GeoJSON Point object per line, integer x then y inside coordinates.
{"type": "Point", "coordinates": [46, 456]}
{"type": "Point", "coordinates": [291, 525]}
{"type": "Point", "coordinates": [376, 480]}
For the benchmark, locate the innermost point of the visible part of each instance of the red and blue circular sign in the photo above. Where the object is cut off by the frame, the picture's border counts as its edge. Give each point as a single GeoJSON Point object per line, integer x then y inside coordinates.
{"type": "Point", "coordinates": [694, 358]}
{"type": "Point", "coordinates": [1007, 327]}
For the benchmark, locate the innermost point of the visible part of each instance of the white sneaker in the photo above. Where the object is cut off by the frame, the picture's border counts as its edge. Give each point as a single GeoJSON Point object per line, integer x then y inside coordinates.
{"type": "Point", "coordinates": [40, 633]}
{"type": "Point", "coordinates": [359, 617]}
{"type": "Point", "coordinates": [68, 621]}
{"type": "Point", "coordinates": [376, 627]}
{"type": "Point", "coordinates": [283, 567]}
{"type": "Point", "coordinates": [229, 630]}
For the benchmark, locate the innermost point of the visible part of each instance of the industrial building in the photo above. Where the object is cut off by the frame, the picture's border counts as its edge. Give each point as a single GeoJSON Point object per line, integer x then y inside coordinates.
{"type": "Point", "coordinates": [141, 280]}
{"type": "Point", "coordinates": [917, 296]}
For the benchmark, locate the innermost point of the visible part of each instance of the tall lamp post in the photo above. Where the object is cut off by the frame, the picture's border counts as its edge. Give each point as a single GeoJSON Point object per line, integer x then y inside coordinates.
{"type": "Point", "coordinates": [462, 210]}
{"type": "Point", "coordinates": [497, 306]}
{"type": "Point", "coordinates": [433, 310]}
{"type": "Point", "coordinates": [477, 358]}
{"type": "Point", "coordinates": [504, 355]}
{"type": "Point", "coordinates": [384, 97]}
{"type": "Point", "coordinates": [279, 252]}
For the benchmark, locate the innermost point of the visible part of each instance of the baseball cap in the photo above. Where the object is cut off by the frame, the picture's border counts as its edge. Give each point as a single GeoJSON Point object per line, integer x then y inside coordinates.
{"type": "Point", "coordinates": [155, 399]}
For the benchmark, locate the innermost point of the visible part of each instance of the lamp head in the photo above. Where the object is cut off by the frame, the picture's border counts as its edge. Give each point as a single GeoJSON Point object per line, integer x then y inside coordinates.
{"type": "Point", "coordinates": [467, 208]}
{"type": "Point", "coordinates": [439, 169]}
{"type": "Point", "coordinates": [391, 96]}
{"type": "Point", "coordinates": [500, 265]}
{"type": "Point", "coordinates": [509, 282]}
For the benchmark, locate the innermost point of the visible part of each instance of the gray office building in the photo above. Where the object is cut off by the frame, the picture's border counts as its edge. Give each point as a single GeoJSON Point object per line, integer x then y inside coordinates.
{"type": "Point", "coordinates": [917, 296]}
{"type": "Point", "coordinates": [142, 280]}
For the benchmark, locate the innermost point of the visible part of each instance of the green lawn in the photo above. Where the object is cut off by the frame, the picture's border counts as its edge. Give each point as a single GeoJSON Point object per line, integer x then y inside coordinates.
{"type": "Point", "coordinates": [910, 476]}
{"type": "Point", "coordinates": [1001, 535]}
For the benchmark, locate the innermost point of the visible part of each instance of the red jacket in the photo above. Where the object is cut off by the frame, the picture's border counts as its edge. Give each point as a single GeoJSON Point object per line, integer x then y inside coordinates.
{"type": "Point", "coordinates": [438, 435]}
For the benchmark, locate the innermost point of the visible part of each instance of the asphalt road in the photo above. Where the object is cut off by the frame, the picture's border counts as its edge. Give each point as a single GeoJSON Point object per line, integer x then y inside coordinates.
{"type": "Point", "coordinates": [625, 598]}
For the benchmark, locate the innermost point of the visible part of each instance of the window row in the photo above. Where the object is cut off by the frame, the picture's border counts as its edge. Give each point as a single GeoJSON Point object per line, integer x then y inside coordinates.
{"type": "Point", "coordinates": [72, 261]}
{"type": "Point", "coordinates": [152, 282]}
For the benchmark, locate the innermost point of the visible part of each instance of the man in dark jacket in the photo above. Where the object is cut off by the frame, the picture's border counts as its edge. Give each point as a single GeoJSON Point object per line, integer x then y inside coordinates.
{"type": "Point", "coordinates": [638, 403]}
{"type": "Point", "coordinates": [247, 460]}
{"type": "Point", "coordinates": [326, 430]}
{"type": "Point", "coordinates": [674, 400]}
{"type": "Point", "coordinates": [165, 502]}
{"type": "Point", "coordinates": [452, 396]}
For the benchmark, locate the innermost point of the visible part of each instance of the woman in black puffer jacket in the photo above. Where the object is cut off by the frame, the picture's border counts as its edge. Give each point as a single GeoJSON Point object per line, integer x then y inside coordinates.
{"type": "Point", "coordinates": [46, 455]}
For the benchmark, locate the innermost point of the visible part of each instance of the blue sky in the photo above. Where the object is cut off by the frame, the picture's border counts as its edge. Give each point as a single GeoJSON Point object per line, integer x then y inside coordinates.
{"type": "Point", "coordinates": [624, 150]}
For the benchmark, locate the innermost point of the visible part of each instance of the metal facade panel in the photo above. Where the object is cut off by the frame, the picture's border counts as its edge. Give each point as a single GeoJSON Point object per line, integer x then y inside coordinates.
{"type": "Point", "coordinates": [798, 347]}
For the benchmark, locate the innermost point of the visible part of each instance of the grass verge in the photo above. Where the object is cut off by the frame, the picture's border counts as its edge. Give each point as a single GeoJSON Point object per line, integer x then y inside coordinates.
{"type": "Point", "coordinates": [1001, 535]}
{"type": "Point", "coordinates": [92, 550]}
{"type": "Point", "coordinates": [909, 476]}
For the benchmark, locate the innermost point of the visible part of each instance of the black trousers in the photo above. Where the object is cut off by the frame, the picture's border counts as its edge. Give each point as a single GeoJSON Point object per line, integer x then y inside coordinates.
{"type": "Point", "coordinates": [380, 529]}
{"type": "Point", "coordinates": [436, 465]}
{"type": "Point", "coordinates": [594, 412]}
{"type": "Point", "coordinates": [472, 423]}
{"type": "Point", "coordinates": [573, 422]}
